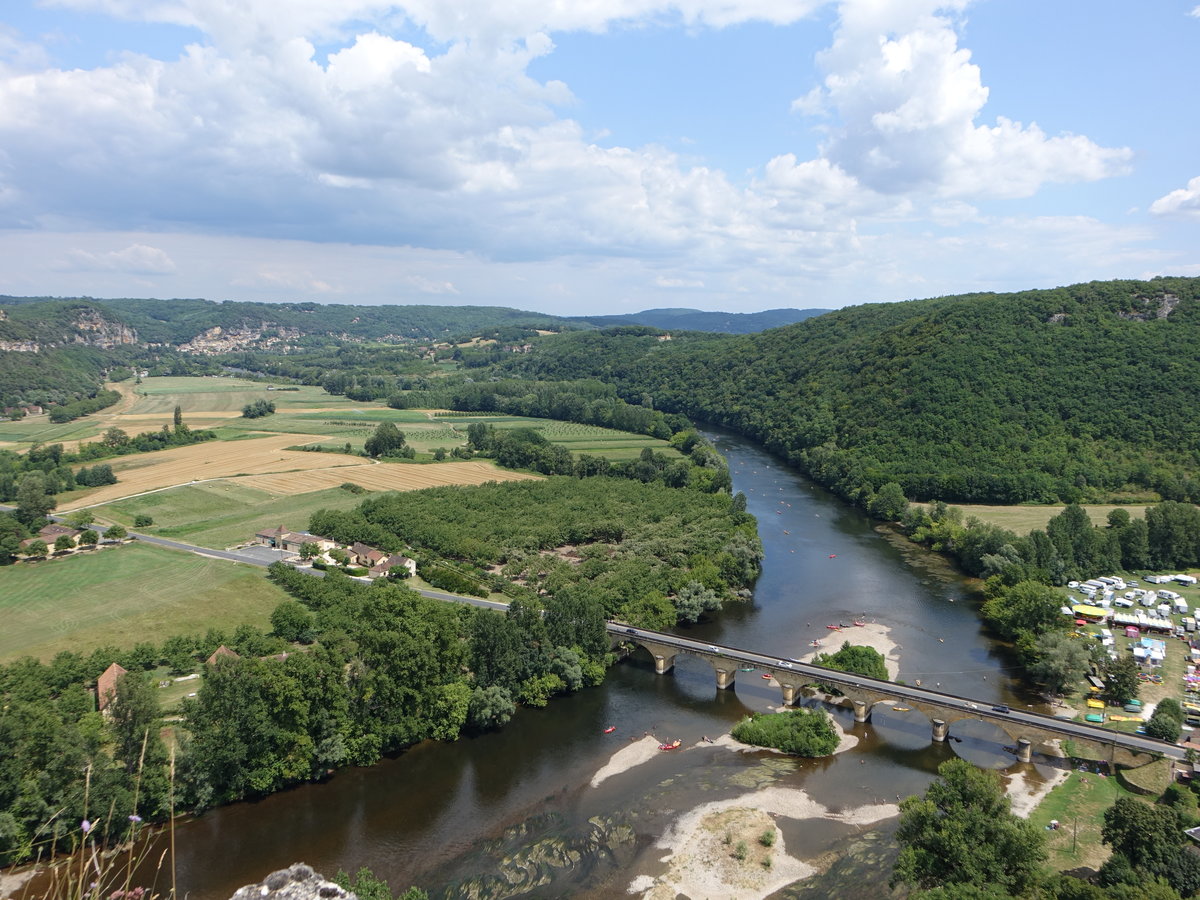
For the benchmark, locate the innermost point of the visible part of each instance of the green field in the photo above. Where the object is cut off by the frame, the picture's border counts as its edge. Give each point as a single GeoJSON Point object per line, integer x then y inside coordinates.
{"type": "Point", "coordinates": [223, 514]}
{"type": "Point", "coordinates": [39, 429]}
{"type": "Point", "coordinates": [1024, 519]}
{"type": "Point", "coordinates": [120, 596]}
{"type": "Point", "coordinates": [1078, 803]}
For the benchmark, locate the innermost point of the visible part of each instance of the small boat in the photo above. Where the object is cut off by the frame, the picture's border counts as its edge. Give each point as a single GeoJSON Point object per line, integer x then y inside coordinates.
{"type": "Point", "coordinates": [833, 556]}
{"type": "Point", "coordinates": [746, 669]}
{"type": "Point", "coordinates": [815, 643]}
{"type": "Point", "coordinates": [674, 745]}
{"type": "Point", "coordinates": [859, 623]}
{"type": "Point", "coordinates": [834, 627]}
{"type": "Point", "coordinates": [766, 674]}
{"type": "Point", "coordinates": [785, 531]}
{"type": "Point", "coordinates": [902, 708]}
{"type": "Point", "coordinates": [610, 729]}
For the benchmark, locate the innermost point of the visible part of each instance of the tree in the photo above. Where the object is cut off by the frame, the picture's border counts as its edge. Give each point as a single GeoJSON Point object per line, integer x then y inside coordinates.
{"type": "Point", "coordinates": [34, 498]}
{"type": "Point", "coordinates": [89, 537]}
{"type": "Point", "coordinates": [116, 532]}
{"type": "Point", "coordinates": [1120, 681]}
{"type": "Point", "coordinates": [889, 503]}
{"type": "Point", "coordinates": [115, 438]}
{"type": "Point", "coordinates": [386, 441]}
{"type": "Point", "coordinates": [308, 550]}
{"type": "Point", "coordinates": [1151, 839]}
{"type": "Point", "coordinates": [178, 416]}
{"type": "Point", "coordinates": [62, 543]}
{"type": "Point", "coordinates": [963, 831]}
{"type": "Point", "coordinates": [142, 521]}
{"type": "Point", "coordinates": [1027, 607]}
{"type": "Point", "coordinates": [490, 707]}
{"type": "Point", "coordinates": [1061, 660]}
{"type": "Point", "coordinates": [292, 622]}
{"type": "Point", "coordinates": [852, 658]}
{"type": "Point", "coordinates": [36, 548]}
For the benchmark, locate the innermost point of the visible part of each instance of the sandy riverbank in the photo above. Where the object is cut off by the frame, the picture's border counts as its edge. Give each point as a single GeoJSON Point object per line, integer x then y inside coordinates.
{"type": "Point", "coordinates": [703, 846]}
{"type": "Point", "coordinates": [877, 637]}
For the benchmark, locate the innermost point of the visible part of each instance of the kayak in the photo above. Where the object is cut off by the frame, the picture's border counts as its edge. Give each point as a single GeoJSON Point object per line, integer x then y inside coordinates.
{"type": "Point", "coordinates": [610, 729]}
{"type": "Point", "coordinates": [674, 745]}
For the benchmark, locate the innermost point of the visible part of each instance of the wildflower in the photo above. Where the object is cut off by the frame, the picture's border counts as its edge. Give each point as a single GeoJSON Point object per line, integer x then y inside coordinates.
{"type": "Point", "coordinates": [85, 826]}
{"type": "Point", "coordinates": [135, 818]}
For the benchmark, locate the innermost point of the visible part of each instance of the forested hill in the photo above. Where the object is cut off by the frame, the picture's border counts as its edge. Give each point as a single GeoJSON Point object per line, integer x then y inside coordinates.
{"type": "Point", "coordinates": [180, 320]}
{"type": "Point", "coordinates": [1063, 394]}
{"type": "Point", "coordinates": [700, 320]}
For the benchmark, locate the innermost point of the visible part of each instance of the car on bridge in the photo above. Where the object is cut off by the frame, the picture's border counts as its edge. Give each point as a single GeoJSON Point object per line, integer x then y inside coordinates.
{"type": "Point", "coordinates": [1000, 708]}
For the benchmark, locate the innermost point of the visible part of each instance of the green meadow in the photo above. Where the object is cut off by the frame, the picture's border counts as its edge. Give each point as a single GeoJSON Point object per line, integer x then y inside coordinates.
{"type": "Point", "coordinates": [119, 596]}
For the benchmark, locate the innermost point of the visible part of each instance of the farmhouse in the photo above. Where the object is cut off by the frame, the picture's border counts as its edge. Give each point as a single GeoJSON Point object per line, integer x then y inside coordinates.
{"type": "Point", "coordinates": [106, 685]}
{"type": "Point", "coordinates": [51, 533]}
{"type": "Point", "coordinates": [365, 555]}
{"type": "Point", "coordinates": [383, 567]}
{"type": "Point", "coordinates": [282, 539]}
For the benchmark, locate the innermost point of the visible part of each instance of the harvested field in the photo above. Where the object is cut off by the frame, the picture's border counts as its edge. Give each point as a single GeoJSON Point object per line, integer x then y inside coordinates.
{"type": "Point", "coordinates": [384, 477]}
{"type": "Point", "coordinates": [181, 465]}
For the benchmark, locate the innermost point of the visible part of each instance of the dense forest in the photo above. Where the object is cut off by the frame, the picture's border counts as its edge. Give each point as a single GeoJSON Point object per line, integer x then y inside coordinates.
{"type": "Point", "coordinates": [701, 320]}
{"type": "Point", "coordinates": [1053, 395]}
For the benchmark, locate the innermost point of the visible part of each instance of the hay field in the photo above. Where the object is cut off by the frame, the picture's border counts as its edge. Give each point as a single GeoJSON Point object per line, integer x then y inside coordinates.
{"type": "Point", "coordinates": [385, 477]}
{"type": "Point", "coordinates": [215, 459]}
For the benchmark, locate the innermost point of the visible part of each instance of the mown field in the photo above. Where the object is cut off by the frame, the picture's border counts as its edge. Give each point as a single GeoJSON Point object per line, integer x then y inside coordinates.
{"type": "Point", "coordinates": [122, 595]}
{"type": "Point", "coordinates": [1024, 519]}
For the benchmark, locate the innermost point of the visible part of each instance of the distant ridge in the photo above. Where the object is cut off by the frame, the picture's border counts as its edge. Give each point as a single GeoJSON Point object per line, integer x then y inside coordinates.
{"type": "Point", "coordinates": [699, 320]}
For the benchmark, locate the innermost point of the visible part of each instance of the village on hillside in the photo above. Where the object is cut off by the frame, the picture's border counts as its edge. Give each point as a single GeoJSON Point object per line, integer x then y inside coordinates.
{"type": "Point", "coordinates": [299, 548]}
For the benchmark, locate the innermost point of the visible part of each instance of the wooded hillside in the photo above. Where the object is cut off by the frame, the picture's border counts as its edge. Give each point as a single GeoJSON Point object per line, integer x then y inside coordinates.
{"type": "Point", "coordinates": [1063, 394]}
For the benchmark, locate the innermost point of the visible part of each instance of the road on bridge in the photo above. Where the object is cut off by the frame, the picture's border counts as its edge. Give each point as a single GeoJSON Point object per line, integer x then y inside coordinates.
{"type": "Point", "coordinates": [982, 709]}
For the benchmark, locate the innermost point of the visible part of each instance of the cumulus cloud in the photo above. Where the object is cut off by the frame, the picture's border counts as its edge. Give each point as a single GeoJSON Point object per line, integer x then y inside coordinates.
{"type": "Point", "coordinates": [907, 97]}
{"type": "Point", "coordinates": [374, 140]}
{"type": "Point", "coordinates": [1184, 201]}
{"type": "Point", "coordinates": [136, 259]}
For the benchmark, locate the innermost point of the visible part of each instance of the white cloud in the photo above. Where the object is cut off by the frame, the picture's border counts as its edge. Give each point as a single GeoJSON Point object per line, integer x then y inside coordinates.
{"type": "Point", "coordinates": [429, 285]}
{"type": "Point", "coordinates": [136, 259]}
{"type": "Point", "coordinates": [1184, 201]}
{"type": "Point", "coordinates": [455, 147]}
{"type": "Point", "coordinates": [1195, 13]}
{"type": "Point", "coordinates": [908, 97]}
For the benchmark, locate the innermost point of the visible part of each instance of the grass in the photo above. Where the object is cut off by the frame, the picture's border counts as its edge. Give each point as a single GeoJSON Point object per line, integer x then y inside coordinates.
{"type": "Point", "coordinates": [222, 514]}
{"type": "Point", "coordinates": [1079, 802]}
{"type": "Point", "coordinates": [120, 596]}
{"type": "Point", "coordinates": [1023, 519]}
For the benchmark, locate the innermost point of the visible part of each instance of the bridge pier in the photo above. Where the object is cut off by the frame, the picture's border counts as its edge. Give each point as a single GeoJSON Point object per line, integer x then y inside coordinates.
{"type": "Point", "coordinates": [663, 664]}
{"type": "Point", "coordinates": [861, 711]}
{"type": "Point", "coordinates": [789, 693]}
{"type": "Point", "coordinates": [1024, 750]}
{"type": "Point", "coordinates": [940, 730]}
{"type": "Point", "coordinates": [725, 678]}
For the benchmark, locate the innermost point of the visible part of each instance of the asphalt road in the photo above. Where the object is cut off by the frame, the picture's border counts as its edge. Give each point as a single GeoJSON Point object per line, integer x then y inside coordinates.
{"type": "Point", "coordinates": [982, 709]}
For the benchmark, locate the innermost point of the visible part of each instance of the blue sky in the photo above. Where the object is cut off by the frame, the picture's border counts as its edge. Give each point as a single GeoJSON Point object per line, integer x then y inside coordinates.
{"type": "Point", "coordinates": [595, 156]}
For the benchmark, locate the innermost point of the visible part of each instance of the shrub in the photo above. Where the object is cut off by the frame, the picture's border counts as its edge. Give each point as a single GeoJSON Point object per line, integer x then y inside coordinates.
{"type": "Point", "coordinates": [142, 521]}
{"type": "Point", "coordinates": [740, 851]}
{"type": "Point", "coordinates": [767, 838]}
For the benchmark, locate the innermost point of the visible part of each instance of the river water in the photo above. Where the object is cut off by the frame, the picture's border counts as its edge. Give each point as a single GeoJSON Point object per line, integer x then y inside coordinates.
{"type": "Point", "coordinates": [476, 817]}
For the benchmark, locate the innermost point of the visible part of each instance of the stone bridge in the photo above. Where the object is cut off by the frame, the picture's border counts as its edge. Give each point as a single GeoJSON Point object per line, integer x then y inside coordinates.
{"type": "Point", "coordinates": [1025, 729]}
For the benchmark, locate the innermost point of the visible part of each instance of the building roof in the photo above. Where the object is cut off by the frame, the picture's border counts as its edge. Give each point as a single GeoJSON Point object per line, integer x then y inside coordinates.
{"type": "Point", "coordinates": [270, 532]}
{"type": "Point", "coordinates": [220, 652]}
{"type": "Point", "coordinates": [385, 565]}
{"type": "Point", "coordinates": [53, 531]}
{"type": "Point", "coordinates": [106, 684]}
{"type": "Point", "coordinates": [358, 548]}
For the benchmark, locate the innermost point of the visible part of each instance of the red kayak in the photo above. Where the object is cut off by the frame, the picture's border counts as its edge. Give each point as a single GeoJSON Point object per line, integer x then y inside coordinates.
{"type": "Point", "coordinates": [834, 627]}
{"type": "Point", "coordinates": [859, 624]}
{"type": "Point", "coordinates": [674, 745]}
{"type": "Point", "coordinates": [610, 729]}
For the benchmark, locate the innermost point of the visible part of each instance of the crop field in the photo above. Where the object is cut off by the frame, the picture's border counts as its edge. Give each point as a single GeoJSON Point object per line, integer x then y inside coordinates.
{"type": "Point", "coordinates": [591, 439]}
{"type": "Point", "coordinates": [180, 465]}
{"type": "Point", "coordinates": [223, 513]}
{"type": "Point", "coordinates": [387, 477]}
{"type": "Point", "coordinates": [122, 595]}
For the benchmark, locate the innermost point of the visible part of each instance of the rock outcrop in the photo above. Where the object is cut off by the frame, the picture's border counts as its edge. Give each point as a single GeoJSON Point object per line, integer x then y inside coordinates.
{"type": "Point", "coordinates": [297, 882]}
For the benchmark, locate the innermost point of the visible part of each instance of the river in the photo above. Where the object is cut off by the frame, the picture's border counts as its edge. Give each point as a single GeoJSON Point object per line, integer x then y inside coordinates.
{"type": "Point", "coordinates": [473, 817]}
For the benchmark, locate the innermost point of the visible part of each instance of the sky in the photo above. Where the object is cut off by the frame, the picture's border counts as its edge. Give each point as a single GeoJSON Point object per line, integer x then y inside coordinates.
{"type": "Point", "coordinates": [595, 156]}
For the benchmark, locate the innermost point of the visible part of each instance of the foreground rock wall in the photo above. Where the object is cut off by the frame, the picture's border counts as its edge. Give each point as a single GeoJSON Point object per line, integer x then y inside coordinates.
{"type": "Point", "coordinates": [297, 882]}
